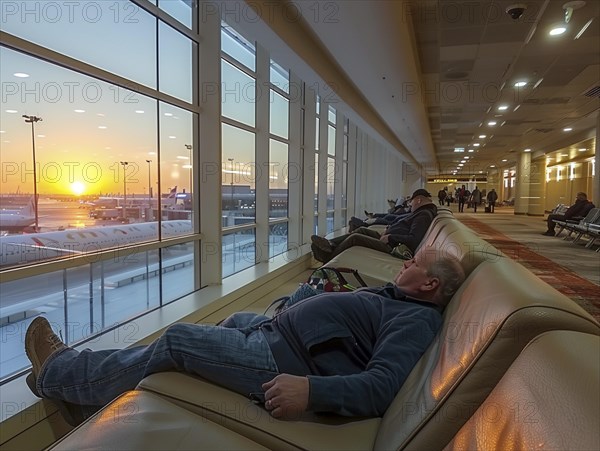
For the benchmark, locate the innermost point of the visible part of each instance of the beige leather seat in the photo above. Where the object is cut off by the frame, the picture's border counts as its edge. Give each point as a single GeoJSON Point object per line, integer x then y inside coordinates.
{"type": "Point", "coordinates": [489, 321]}
{"type": "Point", "coordinates": [145, 421]}
{"type": "Point", "coordinates": [548, 399]}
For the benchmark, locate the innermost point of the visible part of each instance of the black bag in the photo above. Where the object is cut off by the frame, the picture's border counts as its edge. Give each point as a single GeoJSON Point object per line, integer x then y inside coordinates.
{"type": "Point", "coordinates": [325, 279]}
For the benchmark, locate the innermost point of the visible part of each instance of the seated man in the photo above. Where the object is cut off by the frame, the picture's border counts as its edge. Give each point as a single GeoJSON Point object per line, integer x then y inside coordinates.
{"type": "Point", "coordinates": [408, 229]}
{"type": "Point", "coordinates": [346, 353]}
{"type": "Point", "coordinates": [580, 208]}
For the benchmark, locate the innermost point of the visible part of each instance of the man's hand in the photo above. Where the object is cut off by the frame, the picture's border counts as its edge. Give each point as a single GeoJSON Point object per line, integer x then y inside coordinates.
{"type": "Point", "coordinates": [286, 396]}
{"type": "Point", "coordinates": [385, 238]}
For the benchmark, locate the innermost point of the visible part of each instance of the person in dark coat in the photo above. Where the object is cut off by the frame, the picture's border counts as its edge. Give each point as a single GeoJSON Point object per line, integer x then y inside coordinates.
{"type": "Point", "coordinates": [492, 197]}
{"type": "Point", "coordinates": [580, 208]}
{"type": "Point", "coordinates": [408, 230]}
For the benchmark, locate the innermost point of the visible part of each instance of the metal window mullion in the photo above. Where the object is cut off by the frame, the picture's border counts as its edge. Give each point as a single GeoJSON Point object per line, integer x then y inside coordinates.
{"type": "Point", "coordinates": [295, 162]}
{"type": "Point", "coordinates": [308, 173]}
{"type": "Point", "coordinates": [262, 155]}
{"type": "Point", "coordinates": [323, 162]}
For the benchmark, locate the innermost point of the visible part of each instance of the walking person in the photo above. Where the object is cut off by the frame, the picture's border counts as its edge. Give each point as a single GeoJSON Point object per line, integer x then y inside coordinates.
{"type": "Point", "coordinates": [475, 199]}
{"type": "Point", "coordinates": [492, 197]}
{"type": "Point", "coordinates": [462, 198]}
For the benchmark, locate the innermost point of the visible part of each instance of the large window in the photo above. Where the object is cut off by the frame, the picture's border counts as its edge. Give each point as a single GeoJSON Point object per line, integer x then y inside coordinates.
{"type": "Point", "coordinates": [108, 147]}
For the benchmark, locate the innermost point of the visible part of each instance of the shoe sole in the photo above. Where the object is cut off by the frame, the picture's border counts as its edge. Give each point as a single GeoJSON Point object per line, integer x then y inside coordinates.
{"type": "Point", "coordinates": [323, 245]}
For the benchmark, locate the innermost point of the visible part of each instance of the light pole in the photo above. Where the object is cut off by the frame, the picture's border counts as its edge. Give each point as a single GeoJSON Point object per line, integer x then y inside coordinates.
{"type": "Point", "coordinates": [124, 164]}
{"type": "Point", "coordinates": [150, 215]}
{"type": "Point", "coordinates": [231, 161]}
{"type": "Point", "coordinates": [32, 120]}
{"type": "Point", "coordinates": [189, 147]}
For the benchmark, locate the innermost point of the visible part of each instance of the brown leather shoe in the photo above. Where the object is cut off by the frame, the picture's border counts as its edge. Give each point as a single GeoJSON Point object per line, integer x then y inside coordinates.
{"type": "Point", "coordinates": [40, 343]}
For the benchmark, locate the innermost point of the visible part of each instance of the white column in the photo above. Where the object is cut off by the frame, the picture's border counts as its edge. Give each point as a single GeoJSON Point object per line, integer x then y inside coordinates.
{"type": "Point", "coordinates": [207, 153]}
{"type": "Point", "coordinates": [295, 164]}
{"type": "Point", "coordinates": [537, 188]}
{"type": "Point", "coordinates": [523, 177]}
{"type": "Point", "coordinates": [308, 205]}
{"type": "Point", "coordinates": [262, 154]}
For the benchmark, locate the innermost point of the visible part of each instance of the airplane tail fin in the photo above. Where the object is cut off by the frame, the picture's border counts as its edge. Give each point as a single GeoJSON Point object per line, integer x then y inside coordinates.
{"type": "Point", "coordinates": [172, 193]}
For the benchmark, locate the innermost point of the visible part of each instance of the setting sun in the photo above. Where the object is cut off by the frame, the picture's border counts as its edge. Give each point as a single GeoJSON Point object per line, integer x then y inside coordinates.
{"type": "Point", "coordinates": [77, 188]}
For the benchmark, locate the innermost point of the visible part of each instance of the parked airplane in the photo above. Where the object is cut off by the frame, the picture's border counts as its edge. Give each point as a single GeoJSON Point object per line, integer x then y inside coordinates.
{"type": "Point", "coordinates": [33, 247]}
{"type": "Point", "coordinates": [18, 220]}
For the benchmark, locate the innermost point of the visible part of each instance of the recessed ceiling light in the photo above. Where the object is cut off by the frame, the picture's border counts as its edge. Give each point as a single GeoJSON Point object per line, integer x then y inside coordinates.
{"type": "Point", "coordinates": [492, 165]}
{"type": "Point", "coordinates": [172, 137]}
{"type": "Point", "coordinates": [477, 144]}
{"type": "Point", "coordinates": [482, 136]}
{"type": "Point", "coordinates": [459, 149]}
{"type": "Point", "coordinates": [471, 151]}
{"type": "Point", "coordinates": [79, 111]}
{"type": "Point", "coordinates": [492, 123]}
{"type": "Point", "coordinates": [556, 31]}
{"type": "Point", "coordinates": [503, 107]}
{"type": "Point", "coordinates": [466, 158]}
{"type": "Point", "coordinates": [567, 129]}
{"type": "Point", "coordinates": [564, 155]}
{"type": "Point", "coordinates": [102, 127]}
{"type": "Point", "coordinates": [139, 111]}
{"type": "Point", "coordinates": [505, 159]}
{"type": "Point", "coordinates": [21, 75]}
{"type": "Point", "coordinates": [520, 84]}
{"type": "Point", "coordinates": [527, 150]}
{"type": "Point", "coordinates": [169, 114]}
{"type": "Point", "coordinates": [461, 164]}
{"type": "Point", "coordinates": [582, 150]}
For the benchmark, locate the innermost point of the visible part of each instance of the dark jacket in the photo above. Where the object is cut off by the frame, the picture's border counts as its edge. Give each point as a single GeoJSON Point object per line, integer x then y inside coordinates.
{"type": "Point", "coordinates": [579, 208]}
{"type": "Point", "coordinates": [411, 229]}
{"type": "Point", "coordinates": [357, 348]}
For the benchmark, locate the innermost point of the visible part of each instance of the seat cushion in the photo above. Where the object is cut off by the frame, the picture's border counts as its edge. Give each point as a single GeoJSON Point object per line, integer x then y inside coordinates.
{"type": "Point", "coordinates": [239, 414]}
{"type": "Point", "coordinates": [140, 420]}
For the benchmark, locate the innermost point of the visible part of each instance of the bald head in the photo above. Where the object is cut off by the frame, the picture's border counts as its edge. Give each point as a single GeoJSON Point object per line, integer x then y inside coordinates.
{"type": "Point", "coordinates": [430, 277]}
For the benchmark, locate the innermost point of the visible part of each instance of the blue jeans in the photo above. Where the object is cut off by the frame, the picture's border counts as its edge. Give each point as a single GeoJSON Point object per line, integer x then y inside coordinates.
{"type": "Point", "coordinates": [235, 355]}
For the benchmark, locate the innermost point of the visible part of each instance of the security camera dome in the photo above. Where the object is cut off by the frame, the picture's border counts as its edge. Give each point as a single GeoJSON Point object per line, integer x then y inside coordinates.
{"type": "Point", "coordinates": [516, 10]}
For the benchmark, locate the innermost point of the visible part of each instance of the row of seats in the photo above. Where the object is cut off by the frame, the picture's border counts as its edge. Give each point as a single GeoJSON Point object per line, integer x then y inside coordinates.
{"type": "Point", "coordinates": [516, 365]}
{"type": "Point", "coordinates": [589, 225]}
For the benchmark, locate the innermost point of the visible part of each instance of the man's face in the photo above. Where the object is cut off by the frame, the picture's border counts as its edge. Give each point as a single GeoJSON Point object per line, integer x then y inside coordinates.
{"type": "Point", "coordinates": [414, 204]}
{"type": "Point", "coordinates": [413, 273]}
{"type": "Point", "coordinates": [580, 197]}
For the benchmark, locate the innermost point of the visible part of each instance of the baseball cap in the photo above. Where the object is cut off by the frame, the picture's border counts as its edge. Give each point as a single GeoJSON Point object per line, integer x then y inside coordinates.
{"type": "Point", "coordinates": [420, 192]}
